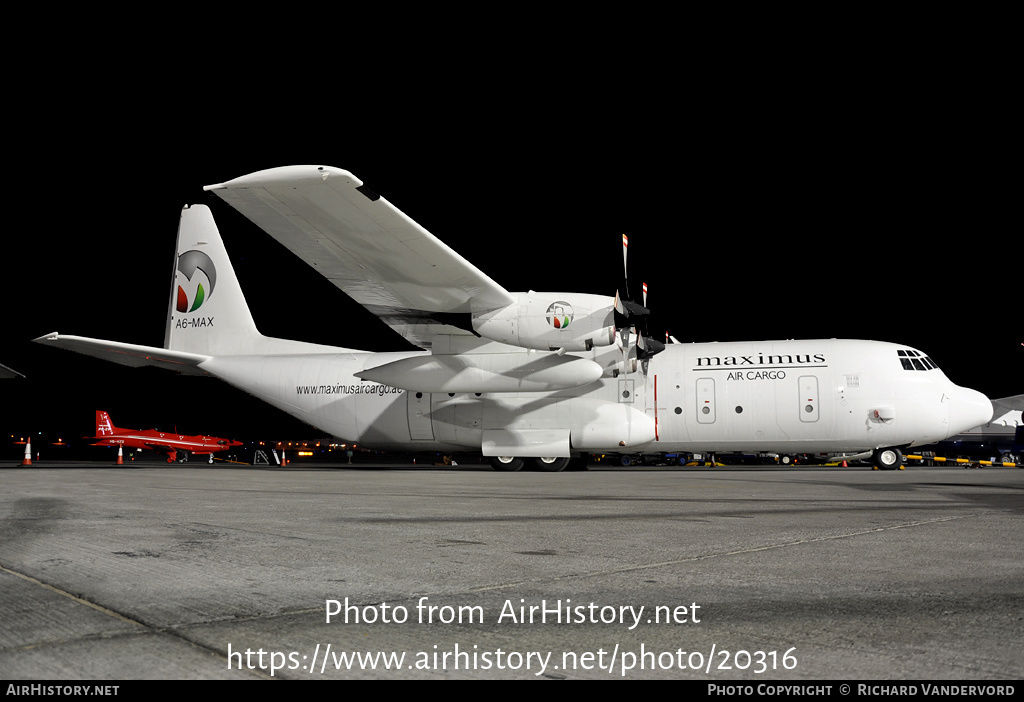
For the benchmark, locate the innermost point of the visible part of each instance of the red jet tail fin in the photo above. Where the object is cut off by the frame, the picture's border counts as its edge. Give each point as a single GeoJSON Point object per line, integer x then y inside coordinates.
{"type": "Point", "coordinates": [104, 427]}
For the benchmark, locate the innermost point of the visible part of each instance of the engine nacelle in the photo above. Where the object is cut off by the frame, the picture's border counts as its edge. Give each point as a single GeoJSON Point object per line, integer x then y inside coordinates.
{"type": "Point", "coordinates": [551, 321]}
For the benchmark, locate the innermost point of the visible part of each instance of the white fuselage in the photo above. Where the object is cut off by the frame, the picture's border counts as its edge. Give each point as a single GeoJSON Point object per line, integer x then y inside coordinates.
{"type": "Point", "coordinates": [784, 396]}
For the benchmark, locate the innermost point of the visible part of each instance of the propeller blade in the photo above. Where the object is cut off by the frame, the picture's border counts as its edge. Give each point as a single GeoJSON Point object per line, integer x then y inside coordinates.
{"type": "Point", "coordinates": [625, 308]}
{"type": "Point", "coordinates": [625, 269]}
{"type": "Point", "coordinates": [648, 347]}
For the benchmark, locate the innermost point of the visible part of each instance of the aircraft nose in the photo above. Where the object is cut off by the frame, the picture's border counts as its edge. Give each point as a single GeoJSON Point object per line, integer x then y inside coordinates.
{"type": "Point", "coordinates": [968, 409]}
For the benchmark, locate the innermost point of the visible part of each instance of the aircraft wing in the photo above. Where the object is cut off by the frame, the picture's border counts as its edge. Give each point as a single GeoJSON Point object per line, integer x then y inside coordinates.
{"type": "Point", "coordinates": [128, 354]}
{"type": "Point", "coordinates": [157, 446]}
{"type": "Point", "coordinates": [367, 247]}
{"type": "Point", "coordinates": [1007, 404]}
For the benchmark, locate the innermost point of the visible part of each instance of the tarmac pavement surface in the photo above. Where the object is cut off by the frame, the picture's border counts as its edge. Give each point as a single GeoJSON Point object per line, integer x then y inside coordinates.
{"type": "Point", "coordinates": [351, 572]}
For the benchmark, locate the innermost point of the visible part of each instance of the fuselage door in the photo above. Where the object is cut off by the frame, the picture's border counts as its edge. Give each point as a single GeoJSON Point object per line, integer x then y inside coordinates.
{"type": "Point", "coordinates": [706, 400]}
{"type": "Point", "coordinates": [420, 428]}
{"type": "Point", "coordinates": [809, 400]}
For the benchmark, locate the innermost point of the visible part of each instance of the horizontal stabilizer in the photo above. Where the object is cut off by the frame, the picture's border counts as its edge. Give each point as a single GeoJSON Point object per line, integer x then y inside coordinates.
{"type": "Point", "coordinates": [6, 372]}
{"type": "Point", "coordinates": [132, 355]}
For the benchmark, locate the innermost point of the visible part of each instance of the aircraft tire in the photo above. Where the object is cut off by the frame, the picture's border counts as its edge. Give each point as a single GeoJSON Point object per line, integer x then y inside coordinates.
{"type": "Point", "coordinates": [550, 465]}
{"type": "Point", "coordinates": [506, 463]}
{"type": "Point", "coordinates": [888, 459]}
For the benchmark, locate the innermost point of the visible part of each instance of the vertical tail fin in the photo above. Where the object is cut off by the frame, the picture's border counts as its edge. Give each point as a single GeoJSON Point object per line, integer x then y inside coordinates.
{"type": "Point", "coordinates": [104, 427]}
{"type": "Point", "coordinates": [207, 313]}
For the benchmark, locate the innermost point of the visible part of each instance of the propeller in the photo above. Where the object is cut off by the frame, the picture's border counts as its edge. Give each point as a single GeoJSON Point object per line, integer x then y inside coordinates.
{"type": "Point", "coordinates": [646, 345]}
{"type": "Point", "coordinates": [629, 313]}
{"type": "Point", "coordinates": [625, 309]}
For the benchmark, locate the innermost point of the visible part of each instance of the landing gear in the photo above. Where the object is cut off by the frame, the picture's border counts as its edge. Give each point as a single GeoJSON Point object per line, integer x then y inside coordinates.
{"type": "Point", "coordinates": [550, 465]}
{"type": "Point", "coordinates": [888, 459]}
{"type": "Point", "coordinates": [506, 463]}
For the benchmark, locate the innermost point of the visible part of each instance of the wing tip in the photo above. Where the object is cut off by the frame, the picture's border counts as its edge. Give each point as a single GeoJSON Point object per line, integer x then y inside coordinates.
{"type": "Point", "coordinates": [284, 175]}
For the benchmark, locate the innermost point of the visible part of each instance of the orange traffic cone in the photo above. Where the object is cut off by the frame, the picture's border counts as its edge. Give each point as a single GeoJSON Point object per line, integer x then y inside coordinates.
{"type": "Point", "coordinates": [27, 460]}
{"type": "Point", "coordinates": [844, 465]}
{"type": "Point", "coordinates": [120, 458]}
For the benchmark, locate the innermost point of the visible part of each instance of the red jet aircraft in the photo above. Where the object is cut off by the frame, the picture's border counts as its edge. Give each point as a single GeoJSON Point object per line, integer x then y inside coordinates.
{"type": "Point", "coordinates": [171, 444]}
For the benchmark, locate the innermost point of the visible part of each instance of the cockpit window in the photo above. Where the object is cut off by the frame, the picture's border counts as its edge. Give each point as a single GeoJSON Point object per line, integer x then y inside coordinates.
{"type": "Point", "coordinates": [915, 361]}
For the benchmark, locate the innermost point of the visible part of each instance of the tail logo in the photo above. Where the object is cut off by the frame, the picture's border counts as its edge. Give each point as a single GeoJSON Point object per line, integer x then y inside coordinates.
{"type": "Point", "coordinates": [188, 263]}
{"type": "Point", "coordinates": [559, 315]}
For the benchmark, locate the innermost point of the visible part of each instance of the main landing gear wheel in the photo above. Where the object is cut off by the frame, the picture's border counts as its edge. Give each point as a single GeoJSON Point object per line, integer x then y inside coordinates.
{"type": "Point", "coordinates": [550, 465]}
{"type": "Point", "coordinates": [506, 463]}
{"type": "Point", "coordinates": [888, 459]}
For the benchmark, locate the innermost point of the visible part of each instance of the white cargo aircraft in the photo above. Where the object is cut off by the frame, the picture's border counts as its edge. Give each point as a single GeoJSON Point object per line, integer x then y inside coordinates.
{"type": "Point", "coordinates": [521, 377]}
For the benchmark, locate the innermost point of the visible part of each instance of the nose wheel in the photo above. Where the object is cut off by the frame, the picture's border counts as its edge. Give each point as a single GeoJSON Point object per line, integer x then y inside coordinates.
{"type": "Point", "coordinates": [888, 459]}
